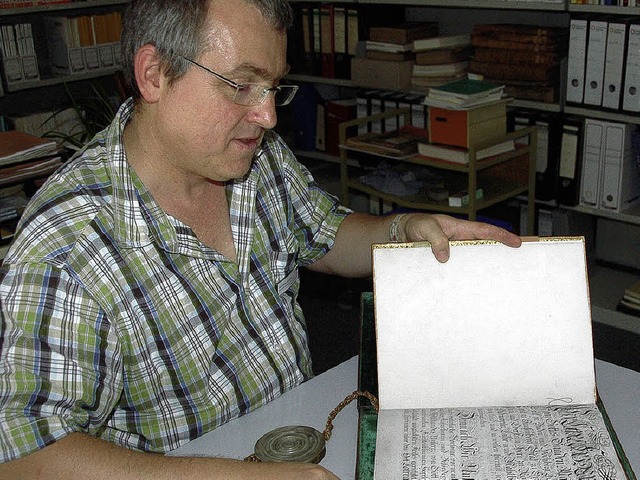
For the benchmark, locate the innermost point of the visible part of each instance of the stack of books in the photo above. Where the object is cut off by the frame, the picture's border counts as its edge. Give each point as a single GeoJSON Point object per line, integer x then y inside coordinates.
{"type": "Point", "coordinates": [389, 57]}
{"type": "Point", "coordinates": [26, 157]}
{"type": "Point", "coordinates": [395, 43]}
{"type": "Point", "coordinates": [440, 60]}
{"type": "Point", "coordinates": [526, 58]}
{"type": "Point", "coordinates": [630, 302]}
{"type": "Point", "coordinates": [464, 94]}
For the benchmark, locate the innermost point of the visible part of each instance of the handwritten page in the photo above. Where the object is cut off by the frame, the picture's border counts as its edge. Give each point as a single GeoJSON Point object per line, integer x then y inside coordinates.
{"type": "Point", "coordinates": [555, 442]}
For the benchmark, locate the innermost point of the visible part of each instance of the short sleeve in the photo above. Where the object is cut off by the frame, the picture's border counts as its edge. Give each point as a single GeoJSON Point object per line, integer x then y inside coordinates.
{"type": "Point", "coordinates": [59, 360]}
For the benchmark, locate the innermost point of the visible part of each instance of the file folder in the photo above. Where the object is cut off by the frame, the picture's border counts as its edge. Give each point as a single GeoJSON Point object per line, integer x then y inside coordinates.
{"type": "Point", "coordinates": [614, 64]}
{"type": "Point", "coordinates": [592, 157]}
{"type": "Point", "coordinates": [631, 96]}
{"type": "Point", "coordinates": [569, 172]}
{"type": "Point", "coordinates": [594, 68]}
{"type": "Point", "coordinates": [620, 178]}
{"type": "Point", "coordinates": [576, 60]}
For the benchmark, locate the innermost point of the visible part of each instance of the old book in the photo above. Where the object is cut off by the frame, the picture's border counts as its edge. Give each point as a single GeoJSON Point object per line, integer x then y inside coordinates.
{"type": "Point", "coordinates": [529, 72]}
{"type": "Point", "coordinates": [485, 364]}
{"type": "Point", "coordinates": [443, 41]}
{"type": "Point", "coordinates": [512, 56]}
{"type": "Point", "coordinates": [518, 37]}
{"type": "Point", "coordinates": [402, 33]}
{"type": "Point", "coordinates": [461, 155]}
{"type": "Point", "coordinates": [443, 55]}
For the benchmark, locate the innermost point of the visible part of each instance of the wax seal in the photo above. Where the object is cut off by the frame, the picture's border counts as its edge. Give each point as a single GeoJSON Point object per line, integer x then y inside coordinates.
{"type": "Point", "coordinates": [291, 444]}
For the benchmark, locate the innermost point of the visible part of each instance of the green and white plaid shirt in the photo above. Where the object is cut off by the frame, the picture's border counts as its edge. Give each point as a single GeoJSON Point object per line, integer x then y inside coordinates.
{"type": "Point", "coordinates": [118, 322]}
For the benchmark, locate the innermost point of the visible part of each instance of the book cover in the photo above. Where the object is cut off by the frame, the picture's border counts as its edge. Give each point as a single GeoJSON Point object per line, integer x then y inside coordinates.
{"type": "Point", "coordinates": [466, 89]}
{"type": "Point", "coordinates": [496, 382]}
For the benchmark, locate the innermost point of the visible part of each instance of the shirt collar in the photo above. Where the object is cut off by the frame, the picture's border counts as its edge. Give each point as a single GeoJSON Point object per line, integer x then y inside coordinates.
{"type": "Point", "coordinates": [138, 219]}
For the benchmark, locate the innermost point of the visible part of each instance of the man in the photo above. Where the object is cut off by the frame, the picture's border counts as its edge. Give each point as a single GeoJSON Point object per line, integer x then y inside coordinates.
{"type": "Point", "coordinates": [150, 294]}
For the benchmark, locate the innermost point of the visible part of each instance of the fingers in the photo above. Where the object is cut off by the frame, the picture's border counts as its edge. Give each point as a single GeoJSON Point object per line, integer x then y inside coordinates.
{"type": "Point", "coordinates": [438, 230]}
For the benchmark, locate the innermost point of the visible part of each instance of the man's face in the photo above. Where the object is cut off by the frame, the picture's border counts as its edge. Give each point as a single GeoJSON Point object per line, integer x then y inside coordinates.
{"type": "Point", "coordinates": [203, 132]}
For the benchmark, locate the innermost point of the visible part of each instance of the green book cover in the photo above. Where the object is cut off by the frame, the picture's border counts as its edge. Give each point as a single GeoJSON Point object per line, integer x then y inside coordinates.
{"type": "Point", "coordinates": [466, 88]}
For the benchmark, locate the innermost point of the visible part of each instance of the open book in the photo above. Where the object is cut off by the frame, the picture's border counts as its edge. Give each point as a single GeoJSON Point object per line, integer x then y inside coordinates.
{"type": "Point", "coordinates": [485, 364]}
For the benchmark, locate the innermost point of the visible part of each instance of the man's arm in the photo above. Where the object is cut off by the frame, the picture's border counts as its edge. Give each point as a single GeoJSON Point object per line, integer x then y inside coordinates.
{"type": "Point", "coordinates": [80, 456]}
{"type": "Point", "coordinates": [351, 253]}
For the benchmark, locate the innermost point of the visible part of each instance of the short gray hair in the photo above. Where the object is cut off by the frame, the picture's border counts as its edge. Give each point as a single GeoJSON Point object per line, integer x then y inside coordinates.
{"type": "Point", "coordinates": [176, 28]}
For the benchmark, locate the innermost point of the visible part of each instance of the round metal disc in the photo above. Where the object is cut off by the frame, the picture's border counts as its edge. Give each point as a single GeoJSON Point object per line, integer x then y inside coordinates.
{"type": "Point", "coordinates": [291, 444]}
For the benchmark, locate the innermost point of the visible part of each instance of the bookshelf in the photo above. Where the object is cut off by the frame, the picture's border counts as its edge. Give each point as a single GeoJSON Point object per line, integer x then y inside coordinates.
{"type": "Point", "coordinates": [99, 52]}
{"type": "Point", "coordinates": [457, 16]}
{"type": "Point", "coordinates": [500, 177]}
{"type": "Point", "coordinates": [32, 86]}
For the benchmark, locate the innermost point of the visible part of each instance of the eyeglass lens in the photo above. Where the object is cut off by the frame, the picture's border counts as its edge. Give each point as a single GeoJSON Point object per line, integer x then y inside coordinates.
{"type": "Point", "coordinates": [254, 94]}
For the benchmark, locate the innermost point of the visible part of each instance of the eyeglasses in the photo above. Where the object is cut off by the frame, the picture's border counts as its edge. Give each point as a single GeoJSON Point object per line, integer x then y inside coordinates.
{"type": "Point", "coordinates": [252, 94]}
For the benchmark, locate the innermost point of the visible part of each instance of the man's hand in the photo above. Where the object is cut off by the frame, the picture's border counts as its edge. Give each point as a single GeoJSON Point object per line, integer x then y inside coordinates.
{"type": "Point", "coordinates": [438, 230]}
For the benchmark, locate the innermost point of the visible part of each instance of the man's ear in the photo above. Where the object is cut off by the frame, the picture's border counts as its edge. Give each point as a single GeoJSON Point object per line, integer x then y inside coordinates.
{"type": "Point", "coordinates": [148, 73]}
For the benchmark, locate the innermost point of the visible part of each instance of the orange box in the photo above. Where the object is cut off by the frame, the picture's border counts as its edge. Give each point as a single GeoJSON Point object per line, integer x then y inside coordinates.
{"type": "Point", "coordinates": [464, 128]}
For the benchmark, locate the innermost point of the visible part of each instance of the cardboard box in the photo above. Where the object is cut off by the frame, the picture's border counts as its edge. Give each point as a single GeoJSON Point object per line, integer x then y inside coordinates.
{"type": "Point", "coordinates": [465, 128]}
{"type": "Point", "coordinates": [381, 74]}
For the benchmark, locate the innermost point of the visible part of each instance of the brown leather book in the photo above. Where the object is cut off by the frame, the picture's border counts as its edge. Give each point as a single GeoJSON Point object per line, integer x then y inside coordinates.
{"type": "Point", "coordinates": [505, 55]}
{"type": "Point", "coordinates": [403, 33]}
{"type": "Point", "coordinates": [534, 33]}
{"type": "Point", "coordinates": [518, 37]}
{"type": "Point", "coordinates": [528, 72]}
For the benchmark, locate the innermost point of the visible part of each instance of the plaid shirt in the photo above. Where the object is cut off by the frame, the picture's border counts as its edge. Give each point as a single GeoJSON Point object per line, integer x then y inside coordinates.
{"type": "Point", "coordinates": [118, 322]}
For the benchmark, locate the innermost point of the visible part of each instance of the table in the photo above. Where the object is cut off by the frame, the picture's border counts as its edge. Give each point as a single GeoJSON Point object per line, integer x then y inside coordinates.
{"type": "Point", "coordinates": [311, 403]}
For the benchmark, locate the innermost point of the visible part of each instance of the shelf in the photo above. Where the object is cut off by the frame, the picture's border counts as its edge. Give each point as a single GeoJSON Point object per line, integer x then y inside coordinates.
{"type": "Point", "coordinates": [501, 177]}
{"type": "Point", "coordinates": [558, 6]}
{"type": "Point", "coordinates": [47, 82]}
{"type": "Point", "coordinates": [420, 201]}
{"type": "Point", "coordinates": [61, 6]}
{"type": "Point", "coordinates": [604, 9]}
{"type": "Point", "coordinates": [304, 78]}
{"type": "Point", "coordinates": [631, 215]}
{"type": "Point", "coordinates": [614, 116]}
